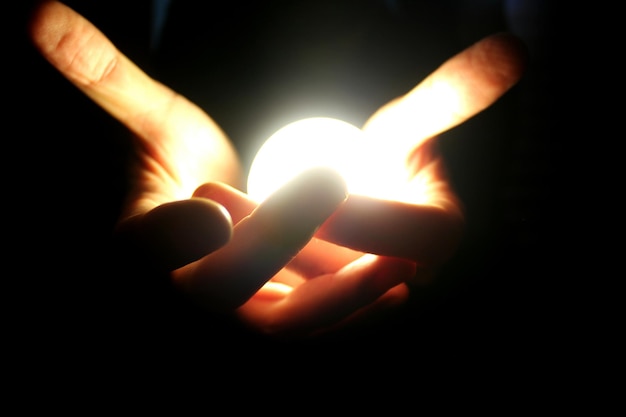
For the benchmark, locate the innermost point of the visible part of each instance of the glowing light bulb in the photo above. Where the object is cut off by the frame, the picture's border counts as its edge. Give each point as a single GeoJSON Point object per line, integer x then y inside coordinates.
{"type": "Point", "coordinates": [367, 166]}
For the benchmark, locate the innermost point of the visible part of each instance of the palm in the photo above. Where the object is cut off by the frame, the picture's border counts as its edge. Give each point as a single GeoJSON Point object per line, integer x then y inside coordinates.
{"type": "Point", "coordinates": [328, 285]}
{"type": "Point", "coordinates": [178, 147]}
{"type": "Point", "coordinates": [323, 285]}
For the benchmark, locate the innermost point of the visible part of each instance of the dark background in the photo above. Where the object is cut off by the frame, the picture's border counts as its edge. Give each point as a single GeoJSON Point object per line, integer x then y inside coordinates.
{"type": "Point", "coordinates": [254, 66]}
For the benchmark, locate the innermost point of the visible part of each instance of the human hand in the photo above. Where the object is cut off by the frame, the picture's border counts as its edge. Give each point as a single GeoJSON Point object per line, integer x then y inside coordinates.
{"type": "Point", "coordinates": [335, 280]}
{"type": "Point", "coordinates": [179, 147]}
{"type": "Point", "coordinates": [424, 210]}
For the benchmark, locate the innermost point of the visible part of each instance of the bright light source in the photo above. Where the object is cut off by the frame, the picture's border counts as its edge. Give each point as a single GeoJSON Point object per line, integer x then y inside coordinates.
{"type": "Point", "coordinates": [369, 167]}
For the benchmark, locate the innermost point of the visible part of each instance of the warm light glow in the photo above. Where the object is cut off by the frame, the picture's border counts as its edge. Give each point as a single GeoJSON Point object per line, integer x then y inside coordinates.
{"type": "Point", "coordinates": [370, 166]}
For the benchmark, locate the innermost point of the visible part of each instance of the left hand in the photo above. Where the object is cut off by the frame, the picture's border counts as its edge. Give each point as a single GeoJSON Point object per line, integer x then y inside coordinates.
{"type": "Point", "coordinates": [335, 279]}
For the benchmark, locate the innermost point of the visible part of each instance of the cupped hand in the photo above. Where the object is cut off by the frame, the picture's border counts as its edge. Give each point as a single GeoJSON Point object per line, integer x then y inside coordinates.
{"type": "Point", "coordinates": [424, 219]}
{"type": "Point", "coordinates": [309, 259]}
{"type": "Point", "coordinates": [336, 279]}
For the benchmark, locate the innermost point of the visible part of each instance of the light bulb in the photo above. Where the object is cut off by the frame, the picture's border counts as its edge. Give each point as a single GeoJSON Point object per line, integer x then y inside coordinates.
{"type": "Point", "coordinates": [367, 166]}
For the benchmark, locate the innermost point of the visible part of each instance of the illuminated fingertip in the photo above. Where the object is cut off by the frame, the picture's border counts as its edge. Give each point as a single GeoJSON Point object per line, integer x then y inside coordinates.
{"type": "Point", "coordinates": [291, 215]}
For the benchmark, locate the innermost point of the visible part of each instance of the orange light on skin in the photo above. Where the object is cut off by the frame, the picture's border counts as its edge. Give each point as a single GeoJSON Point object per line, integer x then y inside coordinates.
{"type": "Point", "coordinates": [374, 167]}
{"type": "Point", "coordinates": [384, 174]}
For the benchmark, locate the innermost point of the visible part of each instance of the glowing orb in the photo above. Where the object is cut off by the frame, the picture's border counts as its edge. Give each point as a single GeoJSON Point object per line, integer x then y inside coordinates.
{"type": "Point", "coordinates": [366, 166]}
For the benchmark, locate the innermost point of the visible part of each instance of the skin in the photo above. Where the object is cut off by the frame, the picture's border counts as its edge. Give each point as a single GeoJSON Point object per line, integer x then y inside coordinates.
{"type": "Point", "coordinates": [310, 259]}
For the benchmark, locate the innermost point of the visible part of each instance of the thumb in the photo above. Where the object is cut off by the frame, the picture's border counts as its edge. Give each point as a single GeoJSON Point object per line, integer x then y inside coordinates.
{"type": "Point", "coordinates": [173, 234]}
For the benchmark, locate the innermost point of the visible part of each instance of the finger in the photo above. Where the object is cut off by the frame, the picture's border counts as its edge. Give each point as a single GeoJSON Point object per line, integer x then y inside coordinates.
{"type": "Point", "coordinates": [428, 234]}
{"type": "Point", "coordinates": [167, 126]}
{"type": "Point", "coordinates": [174, 234]}
{"type": "Point", "coordinates": [460, 88]}
{"type": "Point", "coordinates": [385, 304]}
{"type": "Point", "coordinates": [238, 204]}
{"type": "Point", "coordinates": [318, 257]}
{"type": "Point", "coordinates": [265, 241]}
{"type": "Point", "coordinates": [423, 233]}
{"type": "Point", "coordinates": [88, 59]}
{"type": "Point", "coordinates": [279, 286]}
{"type": "Point", "coordinates": [329, 299]}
